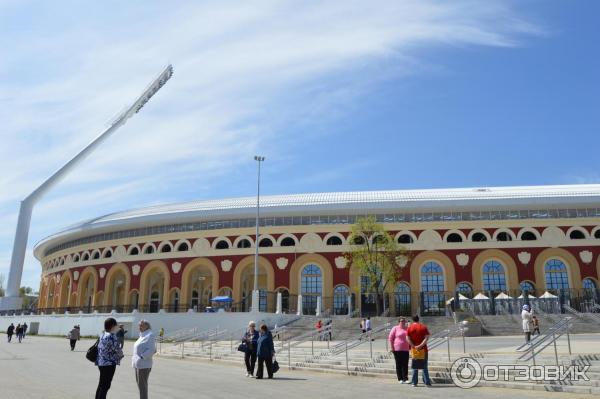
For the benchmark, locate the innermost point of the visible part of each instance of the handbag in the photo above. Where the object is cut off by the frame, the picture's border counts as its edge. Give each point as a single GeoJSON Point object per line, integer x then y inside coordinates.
{"type": "Point", "coordinates": [275, 366]}
{"type": "Point", "coordinates": [242, 347]}
{"type": "Point", "coordinates": [418, 354]}
{"type": "Point", "coordinates": [92, 352]}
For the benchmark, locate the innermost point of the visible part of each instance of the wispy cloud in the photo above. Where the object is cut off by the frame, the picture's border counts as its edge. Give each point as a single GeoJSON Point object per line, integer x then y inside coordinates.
{"type": "Point", "coordinates": [243, 74]}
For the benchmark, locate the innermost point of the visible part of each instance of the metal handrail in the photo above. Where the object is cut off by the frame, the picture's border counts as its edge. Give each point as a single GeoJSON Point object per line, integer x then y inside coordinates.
{"type": "Point", "coordinates": [580, 315]}
{"type": "Point", "coordinates": [550, 337]}
{"type": "Point", "coordinates": [359, 339]}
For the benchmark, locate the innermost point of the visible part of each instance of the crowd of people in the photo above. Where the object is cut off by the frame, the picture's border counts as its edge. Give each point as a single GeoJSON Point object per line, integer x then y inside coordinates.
{"type": "Point", "coordinates": [20, 331]}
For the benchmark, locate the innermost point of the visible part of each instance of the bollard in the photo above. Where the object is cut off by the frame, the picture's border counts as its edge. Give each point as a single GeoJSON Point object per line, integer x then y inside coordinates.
{"type": "Point", "coordinates": [289, 355]}
{"type": "Point", "coordinates": [182, 343]}
{"type": "Point", "coordinates": [371, 344]}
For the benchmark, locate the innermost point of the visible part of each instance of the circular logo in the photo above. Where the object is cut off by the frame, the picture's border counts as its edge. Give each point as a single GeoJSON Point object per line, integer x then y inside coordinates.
{"type": "Point", "coordinates": [465, 372]}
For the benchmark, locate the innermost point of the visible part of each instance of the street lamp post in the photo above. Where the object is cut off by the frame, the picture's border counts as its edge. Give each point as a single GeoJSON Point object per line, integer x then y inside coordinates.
{"type": "Point", "coordinates": [255, 293]}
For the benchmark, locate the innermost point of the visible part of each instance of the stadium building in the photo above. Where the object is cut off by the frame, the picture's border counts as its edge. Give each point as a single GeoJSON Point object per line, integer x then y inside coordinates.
{"type": "Point", "coordinates": [179, 257]}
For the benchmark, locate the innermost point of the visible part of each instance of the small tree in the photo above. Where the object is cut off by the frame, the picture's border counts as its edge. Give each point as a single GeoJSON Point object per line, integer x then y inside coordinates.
{"type": "Point", "coordinates": [375, 254]}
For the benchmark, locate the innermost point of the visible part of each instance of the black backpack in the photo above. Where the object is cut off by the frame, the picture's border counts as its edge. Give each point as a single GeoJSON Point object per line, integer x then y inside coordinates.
{"type": "Point", "coordinates": [92, 353]}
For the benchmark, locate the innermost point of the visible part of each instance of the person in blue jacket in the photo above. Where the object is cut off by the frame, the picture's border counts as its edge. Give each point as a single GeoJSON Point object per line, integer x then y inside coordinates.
{"type": "Point", "coordinates": [250, 338]}
{"type": "Point", "coordinates": [265, 352]}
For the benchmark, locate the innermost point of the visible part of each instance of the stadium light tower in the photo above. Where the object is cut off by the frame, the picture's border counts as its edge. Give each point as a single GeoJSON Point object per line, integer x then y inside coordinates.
{"type": "Point", "coordinates": [12, 300]}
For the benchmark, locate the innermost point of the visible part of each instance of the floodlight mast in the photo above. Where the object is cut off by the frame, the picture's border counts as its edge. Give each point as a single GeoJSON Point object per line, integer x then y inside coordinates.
{"type": "Point", "coordinates": [12, 301]}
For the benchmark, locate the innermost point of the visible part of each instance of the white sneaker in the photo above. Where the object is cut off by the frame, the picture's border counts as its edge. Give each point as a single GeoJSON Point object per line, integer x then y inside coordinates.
{"type": "Point", "coordinates": [247, 374]}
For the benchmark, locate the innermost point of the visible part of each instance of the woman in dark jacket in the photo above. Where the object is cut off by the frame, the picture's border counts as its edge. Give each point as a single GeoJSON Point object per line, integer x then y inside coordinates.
{"type": "Point", "coordinates": [265, 352]}
{"type": "Point", "coordinates": [250, 338]}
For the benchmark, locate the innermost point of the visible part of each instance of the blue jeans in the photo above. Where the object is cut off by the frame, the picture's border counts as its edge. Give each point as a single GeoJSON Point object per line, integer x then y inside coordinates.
{"type": "Point", "coordinates": [415, 376]}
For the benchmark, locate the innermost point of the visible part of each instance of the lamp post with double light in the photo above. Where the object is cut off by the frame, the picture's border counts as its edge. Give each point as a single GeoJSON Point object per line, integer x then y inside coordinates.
{"type": "Point", "coordinates": [255, 292]}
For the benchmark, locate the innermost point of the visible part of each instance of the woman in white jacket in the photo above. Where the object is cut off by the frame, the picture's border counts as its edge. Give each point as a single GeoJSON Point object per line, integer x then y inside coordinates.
{"type": "Point", "coordinates": [526, 317]}
{"type": "Point", "coordinates": [141, 360]}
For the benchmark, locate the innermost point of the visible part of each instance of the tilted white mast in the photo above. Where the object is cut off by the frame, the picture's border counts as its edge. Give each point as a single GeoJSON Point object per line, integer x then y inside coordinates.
{"type": "Point", "coordinates": [12, 299]}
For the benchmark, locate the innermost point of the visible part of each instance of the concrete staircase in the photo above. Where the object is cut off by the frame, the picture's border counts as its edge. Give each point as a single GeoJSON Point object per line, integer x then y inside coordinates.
{"type": "Point", "coordinates": [369, 360]}
{"type": "Point", "coordinates": [512, 324]}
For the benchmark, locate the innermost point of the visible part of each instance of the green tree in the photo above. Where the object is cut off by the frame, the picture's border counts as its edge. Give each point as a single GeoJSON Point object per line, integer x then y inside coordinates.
{"type": "Point", "coordinates": [376, 255]}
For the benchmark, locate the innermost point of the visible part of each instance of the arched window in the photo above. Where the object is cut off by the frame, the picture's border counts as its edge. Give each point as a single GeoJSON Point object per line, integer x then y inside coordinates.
{"type": "Point", "coordinates": [527, 286]}
{"type": "Point", "coordinates": [528, 236]}
{"type": "Point", "coordinates": [182, 247]}
{"type": "Point", "coordinates": [96, 255]}
{"type": "Point", "coordinates": [76, 258]}
{"type": "Point", "coordinates": [494, 276]}
{"type": "Point", "coordinates": [503, 236]}
{"type": "Point", "coordinates": [222, 244]}
{"type": "Point", "coordinates": [577, 235]}
{"type": "Point", "coordinates": [402, 298]}
{"type": "Point", "coordinates": [478, 237]}
{"type": "Point", "coordinates": [432, 286]}
{"type": "Point", "coordinates": [154, 302]}
{"type": "Point", "coordinates": [311, 287]}
{"type": "Point", "coordinates": [166, 248]}
{"type": "Point", "coordinates": [556, 275]}
{"type": "Point", "coordinates": [597, 234]}
{"type": "Point", "coordinates": [589, 284]}
{"type": "Point", "coordinates": [379, 239]}
{"type": "Point", "coordinates": [149, 250]}
{"type": "Point", "coordinates": [244, 243]}
{"type": "Point", "coordinates": [334, 240]}
{"type": "Point", "coordinates": [108, 254]}
{"type": "Point", "coordinates": [134, 251]}
{"type": "Point", "coordinates": [405, 239]}
{"type": "Point", "coordinates": [454, 237]}
{"type": "Point", "coordinates": [464, 288]}
{"type": "Point", "coordinates": [86, 257]}
{"type": "Point", "coordinates": [265, 242]}
{"type": "Point", "coordinates": [358, 240]}
{"type": "Point", "coordinates": [340, 300]}
{"type": "Point", "coordinates": [288, 242]}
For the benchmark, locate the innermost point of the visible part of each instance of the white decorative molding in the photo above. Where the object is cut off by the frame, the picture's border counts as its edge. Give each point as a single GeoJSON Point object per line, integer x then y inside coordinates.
{"type": "Point", "coordinates": [282, 262]}
{"type": "Point", "coordinates": [135, 270]}
{"type": "Point", "coordinates": [341, 262]}
{"type": "Point", "coordinates": [226, 265]}
{"type": "Point", "coordinates": [102, 272]}
{"type": "Point", "coordinates": [176, 267]}
{"type": "Point", "coordinates": [311, 242]}
{"type": "Point", "coordinates": [201, 246]}
{"type": "Point", "coordinates": [553, 236]}
{"type": "Point", "coordinates": [402, 261]}
{"type": "Point", "coordinates": [75, 275]}
{"type": "Point", "coordinates": [586, 256]}
{"type": "Point", "coordinates": [524, 257]}
{"type": "Point", "coordinates": [462, 259]}
{"type": "Point", "coordinates": [429, 239]}
{"type": "Point", "coordinates": [120, 253]}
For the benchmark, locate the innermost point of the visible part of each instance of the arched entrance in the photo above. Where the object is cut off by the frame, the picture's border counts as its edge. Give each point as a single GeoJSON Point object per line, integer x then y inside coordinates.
{"type": "Point", "coordinates": [117, 286]}
{"type": "Point", "coordinates": [155, 281]}
{"type": "Point", "coordinates": [243, 284]}
{"type": "Point", "coordinates": [199, 280]}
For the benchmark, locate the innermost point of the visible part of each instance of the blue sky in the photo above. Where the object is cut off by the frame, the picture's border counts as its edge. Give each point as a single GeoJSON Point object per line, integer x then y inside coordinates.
{"type": "Point", "coordinates": [338, 96]}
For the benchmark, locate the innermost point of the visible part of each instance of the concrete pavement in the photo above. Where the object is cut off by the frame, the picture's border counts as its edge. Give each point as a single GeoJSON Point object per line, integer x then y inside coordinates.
{"type": "Point", "coordinates": [45, 368]}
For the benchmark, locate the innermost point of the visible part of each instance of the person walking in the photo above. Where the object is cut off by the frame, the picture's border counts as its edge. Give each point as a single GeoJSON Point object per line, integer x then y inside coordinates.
{"type": "Point", "coordinates": [318, 327]}
{"type": "Point", "coordinates": [74, 336]}
{"type": "Point", "coordinates": [536, 325]}
{"type": "Point", "coordinates": [265, 351]}
{"type": "Point", "coordinates": [399, 347]}
{"type": "Point", "coordinates": [10, 332]}
{"type": "Point", "coordinates": [417, 337]}
{"type": "Point", "coordinates": [250, 338]}
{"type": "Point", "coordinates": [141, 360]}
{"type": "Point", "coordinates": [19, 331]}
{"type": "Point", "coordinates": [526, 324]}
{"type": "Point", "coordinates": [121, 335]}
{"type": "Point", "coordinates": [24, 330]}
{"type": "Point", "coordinates": [109, 357]}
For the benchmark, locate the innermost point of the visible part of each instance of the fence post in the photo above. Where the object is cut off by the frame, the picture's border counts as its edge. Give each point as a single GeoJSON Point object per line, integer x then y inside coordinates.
{"type": "Point", "coordinates": [182, 349]}
{"type": "Point", "coordinates": [448, 342]}
{"type": "Point", "coordinates": [555, 351]}
{"type": "Point", "coordinates": [312, 344]}
{"type": "Point", "coordinates": [569, 337]}
{"type": "Point", "coordinates": [210, 351]}
{"type": "Point", "coordinates": [290, 354]}
{"type": "Point", "coordinates": [371, 344]}
{"type": "Point", "coordinates": [347, 368]}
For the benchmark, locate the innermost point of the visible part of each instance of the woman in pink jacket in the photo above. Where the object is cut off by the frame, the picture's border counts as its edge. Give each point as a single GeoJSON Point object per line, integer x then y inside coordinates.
{"type": "Point", "coordinates": [399, 347]}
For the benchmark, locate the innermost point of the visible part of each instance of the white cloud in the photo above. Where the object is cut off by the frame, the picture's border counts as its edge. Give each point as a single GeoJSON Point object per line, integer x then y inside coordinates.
{"type": "Point", "coordinates": [243, 74]}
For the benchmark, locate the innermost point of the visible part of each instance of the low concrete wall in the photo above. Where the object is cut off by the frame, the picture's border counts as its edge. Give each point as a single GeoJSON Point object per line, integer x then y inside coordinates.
{"type": "Point", "coordinates": [92, 324]}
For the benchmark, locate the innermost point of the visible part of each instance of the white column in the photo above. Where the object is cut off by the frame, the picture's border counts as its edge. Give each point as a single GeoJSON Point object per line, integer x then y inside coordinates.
{"type": "Point", "coordinates": [318, 311]}
{"type": "Point", "coordinates": [299, 312]}
{"type": "Point", "coordinates": [350, 310]}
{"type": "Point", "coordinates": [255, 301]}
{"type": "Point", "coordinates": [278, 309]}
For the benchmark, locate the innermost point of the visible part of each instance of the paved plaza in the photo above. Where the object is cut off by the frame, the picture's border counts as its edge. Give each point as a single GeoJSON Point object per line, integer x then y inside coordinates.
{"type": "Point", "coordinates": [44, 367]}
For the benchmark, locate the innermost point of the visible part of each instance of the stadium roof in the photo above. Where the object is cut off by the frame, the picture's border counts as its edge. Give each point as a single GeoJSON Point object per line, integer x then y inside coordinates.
{"type": "Point", "coordinates": [358, 202]}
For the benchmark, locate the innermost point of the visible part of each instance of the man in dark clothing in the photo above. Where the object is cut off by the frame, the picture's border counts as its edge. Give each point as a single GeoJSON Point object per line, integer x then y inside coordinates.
{"type": "Point", "coordinates": [121, 335]}
{"type": "Point", "coordinates": [10, 331]}
{"type": "Point", "coordinates": [265, 352]}
{"type": "Point", "coordinates": [19, 331]}
{"type": "Point", "coordinates": [24, 329]}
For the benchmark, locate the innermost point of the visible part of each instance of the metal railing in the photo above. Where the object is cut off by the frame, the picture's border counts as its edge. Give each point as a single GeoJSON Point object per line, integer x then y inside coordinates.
{"type": "Point", "coordinates": [551, 335]}
{"type": "Point", "coordinates": [594, 316]}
